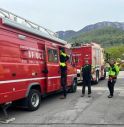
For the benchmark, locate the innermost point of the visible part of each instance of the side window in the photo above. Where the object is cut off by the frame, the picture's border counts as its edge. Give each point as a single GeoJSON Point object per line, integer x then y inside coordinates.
{"type": "Point", "coordinates": [52, 56]}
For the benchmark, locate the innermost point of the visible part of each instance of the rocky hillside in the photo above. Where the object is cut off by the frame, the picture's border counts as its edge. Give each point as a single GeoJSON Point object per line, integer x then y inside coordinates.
{"type": "Point", "coordinates": [107, 37]}
{"type": "Point", "coordinates": [67, 35]}
{"type": "Point", "coordinates": [105, 33]}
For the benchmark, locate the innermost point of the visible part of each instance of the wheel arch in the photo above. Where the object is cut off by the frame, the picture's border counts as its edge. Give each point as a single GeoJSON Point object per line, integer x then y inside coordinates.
{"type": "Point", "coordinates": [74, 78]}
{"type": "Point", "coordinates": [36, 86]}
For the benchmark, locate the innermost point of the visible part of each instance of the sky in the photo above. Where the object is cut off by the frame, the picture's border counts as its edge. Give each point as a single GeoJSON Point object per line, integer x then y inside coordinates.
{"type": "Point", "coordinates": [66, 14]}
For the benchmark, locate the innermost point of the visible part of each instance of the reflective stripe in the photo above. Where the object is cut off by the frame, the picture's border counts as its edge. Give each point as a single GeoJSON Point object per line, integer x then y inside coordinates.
{"type": "Point", "coordinates": [62, 64]}
{"type": "Point", "coordinates": [63, 54]}
{"type": "Point", "coordinates": [74, 75]}
{"type": "Point", "coordinates": [21, 80]}
{"type": "Point", "coordinates": [31, 79]}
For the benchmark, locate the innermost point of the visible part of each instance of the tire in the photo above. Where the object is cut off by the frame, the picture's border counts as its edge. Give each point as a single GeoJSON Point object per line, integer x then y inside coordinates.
{"type": "Point", "coordinates": [73, 88]}
{"type": "Point", "coordinates": [104, 76]}
{"type": "Point", "coordinates": [33, 100]}
{"type": "Point", "coordinates": [97, 77]}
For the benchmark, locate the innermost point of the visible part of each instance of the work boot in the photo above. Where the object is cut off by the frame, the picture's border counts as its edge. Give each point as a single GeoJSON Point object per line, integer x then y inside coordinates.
{"type": "Point", "coordinates": [82, 95]}
{"type": "Point", "coordinates": [89, 95]}
{"type": "Point", "coordinates": [63, 97]}
{"type": "Point", "coordinates": [110, 96]}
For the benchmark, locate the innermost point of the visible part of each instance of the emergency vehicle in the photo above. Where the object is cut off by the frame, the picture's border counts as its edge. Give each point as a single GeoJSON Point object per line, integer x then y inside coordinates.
{"type": "Point", "coordinates": [95, 56]}
{"type": "Point", "coordinates": [29, 61]}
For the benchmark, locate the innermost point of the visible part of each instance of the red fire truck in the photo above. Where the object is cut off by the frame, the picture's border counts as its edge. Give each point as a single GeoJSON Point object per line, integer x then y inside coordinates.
{"type": "Point", "coordinates": [29, 61]}
{"type": "Point", "coordinates": [95, 55]}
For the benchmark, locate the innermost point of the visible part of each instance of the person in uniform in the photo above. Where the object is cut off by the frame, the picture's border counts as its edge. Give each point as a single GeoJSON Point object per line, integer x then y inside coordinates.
{"type": "Point", "coordinates": [63, 67]}
{"type": "Point", "coordinates": [86, 74]}
{"type": "Point", "coordinates": [113, 72]}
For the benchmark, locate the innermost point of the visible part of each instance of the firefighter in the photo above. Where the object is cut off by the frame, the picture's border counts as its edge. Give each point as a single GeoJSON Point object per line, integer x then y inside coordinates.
{"type": "Point", "coordinates": [86, 74]}
{"type": "Point", "coordinates": [113, 72]}
{"type": "Point", "coordinates": [63, 67]}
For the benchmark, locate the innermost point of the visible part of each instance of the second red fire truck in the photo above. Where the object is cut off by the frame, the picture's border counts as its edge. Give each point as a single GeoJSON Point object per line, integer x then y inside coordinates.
{"type": "Point", "coordinates": [95, 55]}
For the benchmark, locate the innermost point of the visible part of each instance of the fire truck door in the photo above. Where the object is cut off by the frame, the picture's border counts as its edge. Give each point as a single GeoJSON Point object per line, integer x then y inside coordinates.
{"type": "Point", "coordinates": [52, 66]}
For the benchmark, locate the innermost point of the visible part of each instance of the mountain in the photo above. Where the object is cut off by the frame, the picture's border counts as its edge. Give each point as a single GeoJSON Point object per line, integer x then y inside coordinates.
{"type": "Point", "coordinates": [101, 25]}
{"type": "Point", "coordinates": [67, 35]}
{"type": "Point", "coordinates": [107, 36]}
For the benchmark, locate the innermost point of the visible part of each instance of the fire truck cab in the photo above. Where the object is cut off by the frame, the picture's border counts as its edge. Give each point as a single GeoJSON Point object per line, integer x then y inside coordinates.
{"type": "Point", "coordinates": [95, 55]}
{"type": "Point", "coordinates": [29, 61]}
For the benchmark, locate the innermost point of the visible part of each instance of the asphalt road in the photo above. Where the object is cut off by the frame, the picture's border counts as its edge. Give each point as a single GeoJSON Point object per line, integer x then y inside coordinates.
{"type": "Point", "coordinates": [76, 111]}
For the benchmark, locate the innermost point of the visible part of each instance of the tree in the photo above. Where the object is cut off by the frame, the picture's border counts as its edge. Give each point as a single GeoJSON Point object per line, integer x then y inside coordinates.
{"type": "Point", "coordinates": [115, 52]}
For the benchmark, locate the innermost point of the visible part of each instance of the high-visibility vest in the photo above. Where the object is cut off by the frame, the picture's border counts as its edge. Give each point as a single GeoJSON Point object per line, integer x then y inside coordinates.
{"type": "Point", "coordinates": [114, 71]}
{"type": "Point", "coordinates": [62, 53]}
{"type": "Point", "coordinates": [63, 64]}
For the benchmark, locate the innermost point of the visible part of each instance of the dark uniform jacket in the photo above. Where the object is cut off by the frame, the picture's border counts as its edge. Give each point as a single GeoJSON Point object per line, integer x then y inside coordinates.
{"type": "Point", "coordinates": [86, 72]}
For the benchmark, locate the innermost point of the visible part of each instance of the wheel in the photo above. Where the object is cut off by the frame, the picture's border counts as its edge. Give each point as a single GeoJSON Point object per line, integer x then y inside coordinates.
{"type": "Point", "coordinates": [33, 100]}
{"type": "Point", "coordinates": [97, 77]}
{"type": "Point", "coordinates": [104, 76]}
{"type": "Point", "coordinates": [73, 88]}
